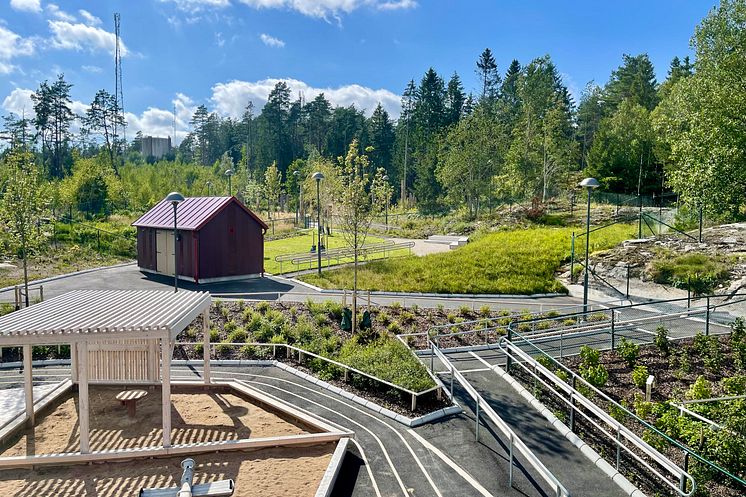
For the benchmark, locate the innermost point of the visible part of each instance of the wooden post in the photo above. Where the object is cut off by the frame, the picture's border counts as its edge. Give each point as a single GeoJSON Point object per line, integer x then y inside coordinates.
{"type": "Point", "coordinates": [74, 362]}
{"type": "Point", "coordinates": [206, 349]}
{"type": "Point", "coordinates": [83, 397]}
{"type": "Point", "coordinates": [28, 384]}
{"type": "Point", "coordinates": [166, 387]}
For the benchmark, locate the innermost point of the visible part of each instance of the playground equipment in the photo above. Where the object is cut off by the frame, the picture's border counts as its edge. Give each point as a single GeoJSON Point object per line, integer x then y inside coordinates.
{"type": "Point", "coordinates": [222, 488]}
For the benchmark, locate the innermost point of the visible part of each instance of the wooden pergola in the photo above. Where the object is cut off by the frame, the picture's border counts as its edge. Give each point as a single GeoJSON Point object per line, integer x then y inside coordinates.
{"type": "Point", "coordinates": [122, 337]}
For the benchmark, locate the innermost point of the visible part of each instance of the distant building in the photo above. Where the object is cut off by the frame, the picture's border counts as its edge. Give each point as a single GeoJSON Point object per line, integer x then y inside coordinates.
{"type": "Point", "coordinates": [152, 146]}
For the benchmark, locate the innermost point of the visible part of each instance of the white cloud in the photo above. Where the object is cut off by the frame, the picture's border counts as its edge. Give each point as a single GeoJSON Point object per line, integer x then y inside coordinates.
{"type": "Point", "coordinates": [12, 45]}
{"type": "Point", "coordinates": [194, 6]}
{"type": "Point", "coordinates": [89, 18]}
{"type": "Point", "coordinates": [160, 122]}
{"type": "Point", "coordinates": [271, 41]}
{"type": "Point", "coordinates": [26, 5]}
{"type": "Point", "coordinates": [324, 9]}
{"type": "Point", "coordinates": [54, 11]}
{"type": "Point", "coordinates": [79, 36]}
{"type": "Point", "coordinates": [231, 98]}
{"type": "Point", "coordinates": [91, 69]}
{"type": "Point", "coordinates": [19, 102]}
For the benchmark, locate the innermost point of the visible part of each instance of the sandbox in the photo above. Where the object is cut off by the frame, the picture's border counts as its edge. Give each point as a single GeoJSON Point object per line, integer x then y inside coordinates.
{"type": "Point", "coordinates": [289, 455]}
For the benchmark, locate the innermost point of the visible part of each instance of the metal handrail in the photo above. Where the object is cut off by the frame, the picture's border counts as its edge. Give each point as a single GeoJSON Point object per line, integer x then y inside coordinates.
{"type": "Point", "coordinates": [302, 352]}
{"type": "Point", "coordinates": [577, 399]}
{"type": "Point", "coordinates": [514, 440]}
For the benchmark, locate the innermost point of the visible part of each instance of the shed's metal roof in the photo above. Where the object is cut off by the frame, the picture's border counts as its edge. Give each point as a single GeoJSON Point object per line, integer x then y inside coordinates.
{"type": "Point", "coordinates": [191, 214]}
{"type": "Point", "coordinates": [97, 314]}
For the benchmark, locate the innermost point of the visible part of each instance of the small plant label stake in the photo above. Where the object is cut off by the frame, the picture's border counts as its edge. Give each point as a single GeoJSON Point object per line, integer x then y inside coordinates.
{"type": "Point", "coordinates": [649, 387]}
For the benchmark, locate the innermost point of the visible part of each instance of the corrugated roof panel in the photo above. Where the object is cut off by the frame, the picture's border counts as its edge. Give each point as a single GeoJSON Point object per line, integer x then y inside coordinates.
{"type": "Point", "coordinates": [191, 214]}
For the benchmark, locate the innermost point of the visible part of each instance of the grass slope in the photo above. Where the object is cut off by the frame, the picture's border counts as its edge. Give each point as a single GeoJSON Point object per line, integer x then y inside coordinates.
{"type": "Point", "coordinates": [507, 262]}
{"type": "Point", "coordinates": [302, 244]}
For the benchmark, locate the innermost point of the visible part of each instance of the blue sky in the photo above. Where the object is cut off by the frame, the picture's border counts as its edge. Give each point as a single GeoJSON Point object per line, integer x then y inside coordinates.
{"type": "Point", "coordinates": [224, 52]}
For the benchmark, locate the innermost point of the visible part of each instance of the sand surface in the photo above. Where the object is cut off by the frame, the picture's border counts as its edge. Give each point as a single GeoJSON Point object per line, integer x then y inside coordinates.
{"type": "Point", "coordinates": [195, 417]}
{"type": "Point", "coordinates": [280, 472]}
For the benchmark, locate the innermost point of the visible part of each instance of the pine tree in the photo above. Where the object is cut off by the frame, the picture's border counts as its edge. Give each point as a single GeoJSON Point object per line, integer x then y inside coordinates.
{"type": "Point", "coordinates": [103, 117]}
{"type": "Point", "coordinates": [319, 112]}
{"type": "Point", "coordinates": [381, 133]}
{"type": "Point", "coordinates": [635, 80]}
{"type": "Point", "coordinates": [52, 106]}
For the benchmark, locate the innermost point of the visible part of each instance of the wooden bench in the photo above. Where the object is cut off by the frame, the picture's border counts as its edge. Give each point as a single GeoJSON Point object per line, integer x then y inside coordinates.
{"type": "Point", "coordinates": [129, 398]}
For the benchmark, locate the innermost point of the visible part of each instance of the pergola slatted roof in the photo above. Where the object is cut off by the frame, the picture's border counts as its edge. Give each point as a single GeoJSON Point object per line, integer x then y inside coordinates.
{"type": "Point", "coordinates": [83, 314]}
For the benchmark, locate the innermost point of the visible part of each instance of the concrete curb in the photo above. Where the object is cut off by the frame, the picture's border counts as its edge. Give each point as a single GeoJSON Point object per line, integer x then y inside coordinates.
{"type": "Point", "coordinates": [588, 451]}
{"type": "Point", "coordinates": [463, 348]}
{"type": "Point", "coordinates": [332, 471]}
{"type": "Point", "coordinates": [67, 275]}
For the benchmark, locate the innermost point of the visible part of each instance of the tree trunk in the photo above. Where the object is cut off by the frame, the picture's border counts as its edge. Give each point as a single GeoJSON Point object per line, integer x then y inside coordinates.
{"type": "Point", "coordinates": [25, 271]}
{"type": "Point", "coordinates": [354, 289]}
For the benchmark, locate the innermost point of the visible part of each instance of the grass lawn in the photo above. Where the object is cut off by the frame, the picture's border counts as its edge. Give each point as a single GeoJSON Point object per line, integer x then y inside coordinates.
{"type": "Point", "coordinates": [522, 261]}
{"type": "Point", "coordinates": [302, 244]}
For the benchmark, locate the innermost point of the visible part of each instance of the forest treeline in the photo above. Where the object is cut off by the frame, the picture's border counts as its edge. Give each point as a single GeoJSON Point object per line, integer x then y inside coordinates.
{"type": "Point", "coordinates": [518, 136]}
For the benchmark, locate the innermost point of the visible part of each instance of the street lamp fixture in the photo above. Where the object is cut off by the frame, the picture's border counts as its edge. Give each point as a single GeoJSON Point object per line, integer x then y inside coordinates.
{"type": "Point", "coordinates": [589, 184]}
{"type": "Point", "coordinates": [229, 173]}
{"type": "Point", "coordinates": [318, 176]}
{"type": "Point", "coordinates": [209, 185]}
{"type": "Point", "coordinates": [175, 198]}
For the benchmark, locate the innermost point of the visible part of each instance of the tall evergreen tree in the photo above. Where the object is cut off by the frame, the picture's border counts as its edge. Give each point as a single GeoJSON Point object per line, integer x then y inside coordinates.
{"type": "Point", "coordinates": [429, 117]}
{"type": "Point", "coordinates": [319, 112]}
{"type": "Point", "coordinates": [488, 76]}
{"type": "Point", "coordinates": [381, 134]}
{"type": "Point", "coordinates": [103, 117]}
{"type": "Point", "coordinates": [274, 131]}
{"type": "Point", "coordinates": [590, 113]}
{"type": "Point", "coordinates": [455, 100]}
{"type": "Point", "coordinates": [635, 80]}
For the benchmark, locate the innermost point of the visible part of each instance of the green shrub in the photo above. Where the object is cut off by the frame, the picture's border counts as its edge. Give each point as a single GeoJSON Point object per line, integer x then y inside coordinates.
{"type": "Point", "coordinates": [230, 326]}
{"type": "Point", "coordinates": [394, 328]}
{"type": "Point", "coordinates": [694, 271]}
{"type": "Point", "coordinates": [225, 311]}
{"type": "Point", "coordinates": [395, 305]}
{"type": "Point", "coordinates": [640, 375]}
{"type": "Point", "coordinates": [254, 322]}
{"type": "Point", "coordinates": [661, 340]}
{"type": "Point", "coordinates": [595, 375]}
{"type": "Point", "coordinates": [700, 389]}
{"type": "Point", "coordinates": [598, 316]}
{"type": "Point", "coordinates": [247, 351]}
{"type": "Point", "coordinates": [222, 349]}
{"type": "Point", "coordinates": [383, 317]}
{"type": "Point", "coordinates": [262, 307]}
{"type": "Point", "coordinates": [334, 309]}
{"type": "Point", "coordinates": [485, 311]}
{"type": "Point", "coordinates": [735, 385]}
{"type": "Point", "coordinates": [451, 317]}
{"type": "Point", "coordinates": [246, 315]}
{"type": "Point", "coordinates": [239, 335]}
{"type": "Point", "coordinates": [389, 359]}
{"type": "Point", "coordinates": [406, 317]}
{"type": "Point", "coordinates": [629, 351]}
{"type": "Point", "coordinates": [240, 305]}
{"type": "Point", "coordinates": [198, 348]}
{"type": "Point", "coordinates": [589, 356]}
{"type": "Point", "coordinates": [464, 310]}
{"type": "Point", "coordinates": [214, 334]}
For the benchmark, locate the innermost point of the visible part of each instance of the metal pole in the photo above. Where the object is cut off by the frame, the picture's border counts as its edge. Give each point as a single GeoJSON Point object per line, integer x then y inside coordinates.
{"type": "Point", "coordinates": [509, 358]}
{"type": "Point", "coordinates": [572, 405]}
{"type": "Point", "coordinates": [318, 221]}
{"type": "Point", "coordinates": [613, 335]}
{"type": "Point", "coordinates": [510, 467]}
{"type": "Point", "coordinates": [176, 254]}
{"type": "Point", "coordinates": [587, 249]}
{"type": "Point", "coordinates": [627, 295]}
{"type": "Point", "coordinates": [700, 223]}
{"type": "Point", "coordinates": [707, 317]}
{"type": "Point", "coordinates": [229, 185]}
{"type": "Point", "coordinates": [572, 256]}
{"type": "Point", "coordinates": [639, 228]}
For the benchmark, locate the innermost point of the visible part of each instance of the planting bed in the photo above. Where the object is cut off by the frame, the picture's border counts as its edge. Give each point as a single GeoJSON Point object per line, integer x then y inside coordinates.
{"type": "Point", "coordinates": [697, 368]}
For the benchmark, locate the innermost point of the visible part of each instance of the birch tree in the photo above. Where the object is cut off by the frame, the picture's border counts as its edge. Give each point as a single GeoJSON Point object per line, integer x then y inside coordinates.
{"type": "Point", "coordinates": [357, 207]}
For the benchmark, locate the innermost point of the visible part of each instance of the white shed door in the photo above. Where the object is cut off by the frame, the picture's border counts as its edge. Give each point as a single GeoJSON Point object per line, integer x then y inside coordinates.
{"type": "Point", "coordinates": [164, 244]}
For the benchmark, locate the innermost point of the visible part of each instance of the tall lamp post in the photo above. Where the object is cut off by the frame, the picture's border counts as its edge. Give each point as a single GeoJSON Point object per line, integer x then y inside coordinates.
{"type": "Point", "coordinates": [318, 176]}
{"type": "Point", "coordinates": [589, 184]}
{"type": "Point", "coordinates": [209, 185]}
{"type": "Point", "coordinates": [297, 206]}
{"type": "Point", "coordinates": [175, 198]}
{"type": "Point", "coordinates": [386, 219]}
{"type": "Point", "coordinates": [229, 173]}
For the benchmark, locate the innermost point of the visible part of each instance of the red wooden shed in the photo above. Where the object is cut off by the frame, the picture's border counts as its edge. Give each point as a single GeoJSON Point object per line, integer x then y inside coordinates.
{"type": "Point", "coordinates": [219, 239]}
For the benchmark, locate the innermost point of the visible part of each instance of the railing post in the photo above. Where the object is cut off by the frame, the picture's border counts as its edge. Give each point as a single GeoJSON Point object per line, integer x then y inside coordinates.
{"type": "Point", "coordinates": [41, 293]}
{"type": "Point", "coordinates": [432, 357]}
{"type": "Point", "coordinates": [509, 361]}
{"type": "Point", "coordinates": [618, 446]}
{"type": "Point", "coordinates": [613, 330]}
{"type": "Point", "coordinates": [562, 344]}
{"type": "Point", "coordinates": [682, 478]}
{"type": "Point", "coordinates": [572, 256]}
{"type": "Point", "coordinates": [452, 376]}
{"type": "Point", "coordinates": [688, 292]}
{"type": "Point", "coordinates": [572, 405]}
{"type": "Point", "coordinates": [414, 402]}
{"type": "Point", "coordinates": [707, 317]}
{"type": "Point", "coordinates": [627, 294]}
